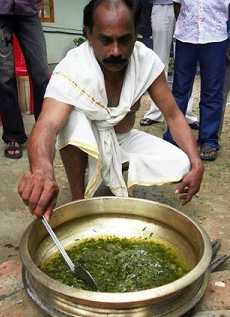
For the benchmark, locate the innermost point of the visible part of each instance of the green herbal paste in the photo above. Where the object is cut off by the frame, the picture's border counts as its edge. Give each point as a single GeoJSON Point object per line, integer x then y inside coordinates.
{"type": "Point", "coordinates": [120, 265]}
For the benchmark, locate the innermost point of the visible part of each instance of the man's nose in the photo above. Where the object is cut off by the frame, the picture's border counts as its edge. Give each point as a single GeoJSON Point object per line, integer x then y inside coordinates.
{"type": "Point", "coordinates": [115, 50]}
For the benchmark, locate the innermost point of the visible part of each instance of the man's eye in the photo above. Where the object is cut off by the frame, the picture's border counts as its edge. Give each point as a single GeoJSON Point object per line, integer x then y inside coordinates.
{"type": "Point", "coordinates": [105, 40]}
{"type": "Point", "coordinates": [125, 40]}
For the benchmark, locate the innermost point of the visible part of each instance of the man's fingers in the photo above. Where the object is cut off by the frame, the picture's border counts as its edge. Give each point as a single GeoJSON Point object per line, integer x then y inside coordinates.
{"type": "Point", "coordinates": [35, 196]}
{"type": "Point", "coordinates": [47, 199]}
{"type": "Point", "coordinates": [185, 198]}
{"type": "Point", "coordinates": [30, 189]}
{"type": "Point", "coordinates": [182, 188]}
{"type": "Point", "coordinates": [189, 185]}
{"type": "Point", "coordinates": [185, 192]}
{"type": "Point", "coordinates": [25, 195]}
{"type": "Point", "coordinates": [21, 186]}
{"type": "Point", "coordinates": [25, 187]}
{"type": "Point", "coordinates": [49, 210]}
{"type": "Point", "coordinates": [39, 193]}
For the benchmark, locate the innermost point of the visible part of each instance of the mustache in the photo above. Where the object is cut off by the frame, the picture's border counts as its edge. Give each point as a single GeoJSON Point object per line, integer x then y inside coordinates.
{"type": "Point", "coordinates": [115, 60]}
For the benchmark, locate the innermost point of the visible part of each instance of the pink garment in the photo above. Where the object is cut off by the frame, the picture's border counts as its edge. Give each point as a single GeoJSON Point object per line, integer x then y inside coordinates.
{"type": "Point", "coordinates": [202, 21]}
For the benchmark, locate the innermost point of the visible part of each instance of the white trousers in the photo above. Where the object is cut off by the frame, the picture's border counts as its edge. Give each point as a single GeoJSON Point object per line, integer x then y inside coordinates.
{"type": "Point", "coordinates": [163, 23]}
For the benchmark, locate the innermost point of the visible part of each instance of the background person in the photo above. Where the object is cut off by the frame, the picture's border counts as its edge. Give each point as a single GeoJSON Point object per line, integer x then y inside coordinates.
{"type": "Point", "coordinates": [160, 15]}
{"type": "Point", "coordinates": [201, 36]}
{"type": "Point", "coordinates": [227, 74]}
{"type": "Point", "coordinates": [20, 18]}
{"type": "Point", "coordinates": [144, 26]}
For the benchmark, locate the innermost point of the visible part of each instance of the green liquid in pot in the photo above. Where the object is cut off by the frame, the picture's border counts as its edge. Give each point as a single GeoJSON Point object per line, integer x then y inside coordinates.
{"type": "Point", "coordinates": [120, 264]}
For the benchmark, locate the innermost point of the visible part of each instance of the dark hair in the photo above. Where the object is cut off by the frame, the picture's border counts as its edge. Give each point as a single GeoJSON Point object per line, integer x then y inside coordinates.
{"type": "Point", "coordinates": [133, 5]}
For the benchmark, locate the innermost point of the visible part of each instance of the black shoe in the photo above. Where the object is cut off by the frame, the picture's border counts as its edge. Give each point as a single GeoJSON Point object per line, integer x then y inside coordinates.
{"type": "Point", "coordinates": [194, 125]}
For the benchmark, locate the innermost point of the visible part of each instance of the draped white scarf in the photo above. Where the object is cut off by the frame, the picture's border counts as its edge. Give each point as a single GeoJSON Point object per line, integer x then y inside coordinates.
{"type": "Point", "coordinates": [78, 81]}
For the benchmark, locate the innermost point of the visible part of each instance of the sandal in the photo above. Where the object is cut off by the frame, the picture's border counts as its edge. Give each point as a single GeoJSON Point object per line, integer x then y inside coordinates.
{"type": "Point", "coordinates": [194, 125]}
{"type": "Point", "coordinates": [147, 122]}
{"type": "Point", "coordinates": [13, 150]}
{"type": "Point", "coordinates": [208, 153]}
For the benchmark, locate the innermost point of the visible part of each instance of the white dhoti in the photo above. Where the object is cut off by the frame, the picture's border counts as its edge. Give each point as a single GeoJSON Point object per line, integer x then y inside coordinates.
{"type": "Point", "coordinates": [79, 81]}
{"type": "Point", "coordinates": [152, 161]}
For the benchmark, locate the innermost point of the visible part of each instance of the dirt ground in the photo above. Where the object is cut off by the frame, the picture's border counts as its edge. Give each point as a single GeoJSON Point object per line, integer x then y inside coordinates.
{"type": "Point", "coordinates": [211, 208]}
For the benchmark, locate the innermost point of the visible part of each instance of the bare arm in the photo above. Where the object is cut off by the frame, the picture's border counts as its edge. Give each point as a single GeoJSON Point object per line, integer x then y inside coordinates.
{"type": "Point", "coordinates": [38, 188]}
{"type": "Point", "coordinates": [162, 96]}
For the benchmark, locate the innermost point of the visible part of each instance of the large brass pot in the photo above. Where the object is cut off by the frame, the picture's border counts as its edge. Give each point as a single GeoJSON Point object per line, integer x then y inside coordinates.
{"type": "Point", "coordinates": [121, 217]}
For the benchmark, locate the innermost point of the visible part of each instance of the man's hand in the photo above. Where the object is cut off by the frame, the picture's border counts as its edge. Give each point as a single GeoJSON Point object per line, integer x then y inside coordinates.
{"type": "Point", "coordinates": [190, 184]}
{"type": "Point", "coordinates": [182, 135]}
{"type": "Point", "coordinates": [38, 188]}
{"type": "Point", "coordinates": [39, 192]}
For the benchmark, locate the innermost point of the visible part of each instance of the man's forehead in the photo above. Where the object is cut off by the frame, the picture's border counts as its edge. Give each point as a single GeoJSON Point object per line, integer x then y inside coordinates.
{"type": "Point", "coordinates": [107, 16]}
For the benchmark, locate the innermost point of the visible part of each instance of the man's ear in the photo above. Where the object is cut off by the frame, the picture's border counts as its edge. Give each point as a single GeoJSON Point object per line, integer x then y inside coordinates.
{"type": "Point", "coordinates": [87, 32]}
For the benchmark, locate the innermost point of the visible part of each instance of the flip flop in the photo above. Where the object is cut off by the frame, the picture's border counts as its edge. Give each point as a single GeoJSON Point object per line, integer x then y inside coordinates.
{"type": "Point", "coordinates": [208, 153]}
{"type": "Point", "coordinates": [194, 125]}
{"type": "Point", "coordinates": [13, 150]}
{"type": "Point", "coordinates": [147, 122]}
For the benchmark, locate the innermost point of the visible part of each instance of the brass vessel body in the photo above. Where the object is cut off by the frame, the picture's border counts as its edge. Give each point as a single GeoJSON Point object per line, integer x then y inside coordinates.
{"type": "Point", "coordinates": [121, 217]}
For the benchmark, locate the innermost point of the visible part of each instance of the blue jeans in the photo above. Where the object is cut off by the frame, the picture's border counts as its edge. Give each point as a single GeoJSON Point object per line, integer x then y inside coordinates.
{"type": "Point", "coordinates": [211, 58]}
{"type": "Point", "coordinates": [28, 31]}
{"type": "Point", "coordinates": [226, 84]}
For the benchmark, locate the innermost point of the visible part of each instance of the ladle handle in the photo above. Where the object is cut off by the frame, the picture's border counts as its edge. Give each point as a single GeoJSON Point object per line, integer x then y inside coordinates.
{"type": "Point", "coordinates": [58, 244]}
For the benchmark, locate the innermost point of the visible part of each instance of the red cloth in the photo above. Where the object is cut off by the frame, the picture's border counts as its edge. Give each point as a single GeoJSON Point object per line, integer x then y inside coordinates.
{"type": "Point", "coordinates": [19, 60]}
{"type": "Point", "coordinates": [21, 69]}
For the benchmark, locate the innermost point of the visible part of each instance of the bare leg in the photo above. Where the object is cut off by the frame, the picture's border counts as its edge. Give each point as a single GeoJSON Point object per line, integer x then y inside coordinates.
{"type": "Point", "coordinates": [75, 162]}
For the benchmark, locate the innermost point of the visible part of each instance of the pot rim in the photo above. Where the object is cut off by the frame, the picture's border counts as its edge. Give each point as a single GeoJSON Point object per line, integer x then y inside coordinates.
{"type": "Point", "coordinates": [143, 296]}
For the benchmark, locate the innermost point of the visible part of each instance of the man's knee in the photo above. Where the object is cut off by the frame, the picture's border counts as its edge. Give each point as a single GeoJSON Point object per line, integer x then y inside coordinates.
{"type": "Point", "coordinates": [71, 149]}
{"type": "Point", "coordinates": [75, 162]}
{"type": "Point", "coordinates": [71, 152]}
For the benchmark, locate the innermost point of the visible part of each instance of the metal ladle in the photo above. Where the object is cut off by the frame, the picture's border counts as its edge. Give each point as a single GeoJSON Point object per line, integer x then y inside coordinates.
{"type": "Point", "coordinates": [77, 269]}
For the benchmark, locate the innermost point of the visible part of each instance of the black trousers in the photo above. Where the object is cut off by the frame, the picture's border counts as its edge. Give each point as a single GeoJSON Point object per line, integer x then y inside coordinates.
{"type": "Point", "coordinates": [28, 31]}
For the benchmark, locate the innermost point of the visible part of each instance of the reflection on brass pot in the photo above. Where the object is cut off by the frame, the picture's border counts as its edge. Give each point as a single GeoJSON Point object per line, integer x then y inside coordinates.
{"type": "Point", "coordinates": [121, 217]}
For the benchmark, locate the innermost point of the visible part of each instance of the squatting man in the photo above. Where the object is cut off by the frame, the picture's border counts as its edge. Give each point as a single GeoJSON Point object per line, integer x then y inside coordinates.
{"type": "Point", "coordinates": [89, 109]}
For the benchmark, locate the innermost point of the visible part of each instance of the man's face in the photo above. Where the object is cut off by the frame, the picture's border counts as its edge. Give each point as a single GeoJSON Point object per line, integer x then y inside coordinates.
{"type": "Point", "coordinates": [113, 37]}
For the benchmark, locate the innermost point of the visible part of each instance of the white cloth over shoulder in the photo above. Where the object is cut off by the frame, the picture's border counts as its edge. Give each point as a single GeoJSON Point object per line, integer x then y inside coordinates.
{"type": "Point", "coordinates": [78, 81]}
